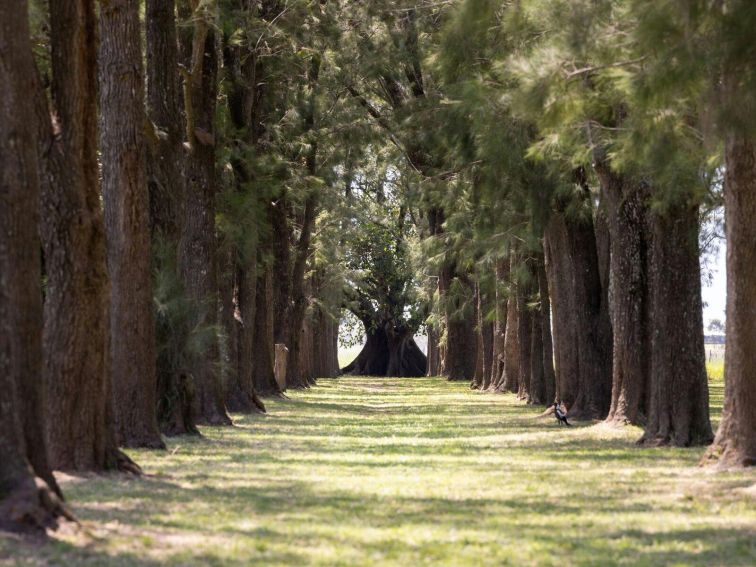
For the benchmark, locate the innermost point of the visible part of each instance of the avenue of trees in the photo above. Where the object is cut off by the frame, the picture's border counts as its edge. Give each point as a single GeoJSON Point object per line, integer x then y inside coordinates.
{"type": "Point", "coordinates": [192, 192]}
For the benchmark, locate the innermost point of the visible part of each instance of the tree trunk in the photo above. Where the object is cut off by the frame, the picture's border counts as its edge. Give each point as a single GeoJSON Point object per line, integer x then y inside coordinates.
{"type": "Point", "coordinates": [262, 366]}
{"type": "Point", "coordinates": [166, 155]}
{"type": "Point", "coordinates": [322, 331]}
{"type": "Point", "coordinates": [279, 243]}
{"type": "Point", "coordinates": [227, 316]}
{"type": "Point", "coordinates": [537, 390]}
{"type": "Point", "coordinates": [461, 343]}
{"type": "Point", "coordinates": [594, 348]}
{"type": "Point", "coordinates": [544, 314]}
{"type": "Point", "coordinates": [434, 355]}
{"type": "Point", "coordinates": [735, 442]}
{"type": "Point", "coordinates": [626, 213]}
{"type": "Point", "coordinates": [524, 340]}
{"type": "Point", "coordinates": [198, 255]}
{"type": "Point", "coordinates": [500, 324]}
{"type": "Point", "coordinates": [76, 342]}
{"type": "Point", "coordinates": [298, 303]}
{"type": "Point", "coordinates": [24, 505]}
{"type": "Point", "coordinates": [562, 294]}
{"type": "Point", "coordinates": [511, 375]}
{"type": "Point", "coordinates": [333, 348]}
{"type": "Point", "coordinates": [538, 361]}
{"type": "Point", "coordinates": [388, 354]}
{"type": "Point", "coordinates": [167, 194]}
{"type": "Point", "coordinates": [124, 186]}
{"type": "Point", "coordinates": [678, 408]}
{"type": "Point", "coordinates": [486, 336]}
{"type": "Point", "coordinates": [241, 395]}
{"type": "Point", "coordinates": [477, 379]}
{"type": "Point", "coordinates": [306, 353]}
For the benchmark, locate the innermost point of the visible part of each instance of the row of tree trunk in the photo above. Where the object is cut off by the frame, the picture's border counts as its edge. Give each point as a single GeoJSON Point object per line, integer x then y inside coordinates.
{"type": "Point", "coordinates": [606, 319]}
{"type": "Point", "coordinates": [87, 362]}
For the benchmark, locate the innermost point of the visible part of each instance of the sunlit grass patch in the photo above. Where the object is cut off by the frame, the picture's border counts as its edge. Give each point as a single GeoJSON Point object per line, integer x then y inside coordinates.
{"type": "Point", "coordinates": [715, 370]}
{"type": "Point", "coordinates": [375, 471]}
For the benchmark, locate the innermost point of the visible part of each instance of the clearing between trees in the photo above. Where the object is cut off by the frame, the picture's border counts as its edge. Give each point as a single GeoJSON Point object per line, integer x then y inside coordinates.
{"type": "Point", "coordinates": [364, 471]}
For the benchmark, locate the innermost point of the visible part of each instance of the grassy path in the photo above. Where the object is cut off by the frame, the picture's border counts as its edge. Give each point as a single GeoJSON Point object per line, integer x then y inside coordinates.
{"type": "Point", "coordinates": [407, 472]}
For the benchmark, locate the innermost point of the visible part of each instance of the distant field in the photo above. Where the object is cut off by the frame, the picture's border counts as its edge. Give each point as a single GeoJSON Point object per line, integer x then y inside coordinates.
{"type": "Point", "coordinates": [714, 353]}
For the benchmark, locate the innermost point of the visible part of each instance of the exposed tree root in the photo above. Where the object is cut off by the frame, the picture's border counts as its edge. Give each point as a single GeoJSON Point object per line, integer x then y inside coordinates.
{"type": "Point", "coordinates": [33, 508]}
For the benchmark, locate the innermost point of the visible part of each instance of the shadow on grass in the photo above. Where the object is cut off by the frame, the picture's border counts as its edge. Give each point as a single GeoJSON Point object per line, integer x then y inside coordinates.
{"type": "Point", "coordinates": [363, 472]}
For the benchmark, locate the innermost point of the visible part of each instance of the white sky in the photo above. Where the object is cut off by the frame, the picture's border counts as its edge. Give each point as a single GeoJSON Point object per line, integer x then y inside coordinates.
{"type": "Point", "coordinates": [715, 291]}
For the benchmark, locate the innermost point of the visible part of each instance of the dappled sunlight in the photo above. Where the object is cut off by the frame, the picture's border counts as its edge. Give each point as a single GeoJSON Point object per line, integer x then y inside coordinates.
{"type": "Point", "coordinates": [359, 471]}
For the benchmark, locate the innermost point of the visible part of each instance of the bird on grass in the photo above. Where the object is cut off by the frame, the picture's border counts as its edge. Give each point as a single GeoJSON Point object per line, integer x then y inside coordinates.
{"type": "Point", "coordinates": [560, 415]}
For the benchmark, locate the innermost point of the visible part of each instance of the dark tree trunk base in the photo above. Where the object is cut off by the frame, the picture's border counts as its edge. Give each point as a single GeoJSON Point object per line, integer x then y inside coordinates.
{"type": "Point", "coordinates": [121, 462]}
{"type": "Point", "coordinates": [678, 401]}
{"type": "Point", "coordinates": [388, 356]}
{"type": "Point", "coordinates": [245, 403]}
{"type": "Point", "coordinates": [32, 507]}
{"type": "Point", "coordinates": [175, 406]}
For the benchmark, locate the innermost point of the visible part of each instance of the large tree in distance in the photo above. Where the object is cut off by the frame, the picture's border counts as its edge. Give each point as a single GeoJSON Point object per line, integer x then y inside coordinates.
{"type": "Point", "coordinates": [399, 95]}
{"type": "Point", "coordinates": [382, 292]}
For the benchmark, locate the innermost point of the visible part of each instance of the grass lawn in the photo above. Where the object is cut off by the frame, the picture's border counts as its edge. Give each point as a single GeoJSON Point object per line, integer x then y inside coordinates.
{"type": "Point", "coordinates": [371, 471]}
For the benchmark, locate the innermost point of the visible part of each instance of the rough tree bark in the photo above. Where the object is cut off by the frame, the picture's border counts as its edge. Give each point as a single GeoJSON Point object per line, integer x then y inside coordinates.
{"type": "Point", "coordinates": [124, 187]}
{"type": "Point", "coordinates": [511, 375]}
{"type": "Point", "coordinates": [433, 332]}
{"type": "Point", "coordinates": [245, 97]}
{"type": "Point", "coordinates": [166, 155]}
{"type": "Point", "coordinates": [625, 200]}
{"type": "Point", "coordinates": [678, 403]}
{"type": "Point", "coordinates": [590, 317]}
{"type": "Point", "coordinates": [167, 194]}
{"type": "Point", "coordinates": [457, 302]}
{"type": "Point", "coordinates": [562, 294]}
{"type": "Point", "coordinates": [198, 254]}
{"type": "Point", "coordinates": [279, 245]}
{"type": "Point", "coordinates": [485, 337]}
{"type": "Point", "coordinates": [262, 366]}
{"type": "Point", "coordinates": [80, 428]}
{"type": "Point", "coordinates": [735, 442]}
{"type": "Point", "coordinates": [477, 379]}
{"type": "Point", "coordinates": [461, 343]}
{"type": "Point", "coordinates": [434, 355]}
{"type": "Point", "coordinates": [26, 502]}
{"type": "Point", "coordinates": [241, 395]}
{"type": "Point", "coordinates": [500, 324]}
{"type": "Point", "coordinates": [524, 337]}
{"type": "Point", "coordinates": [388, 353]}
{"type": "Point", "coordinates": [390, 348]}
{"type": "Point", "coordinates": [227, 316]}
{"type": "Point", "coordinates": [549, 376]}
{"type": "Point", "coordinates": [323, 329]}
{"type": "Point", "coordinates": [327, 344]}
{"type": "Point", "coordinates": [295, 377]}
{"type": "Point", "coordinates": [537, 390]}
{"type": "Point", "coordinates": [537, 393]}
